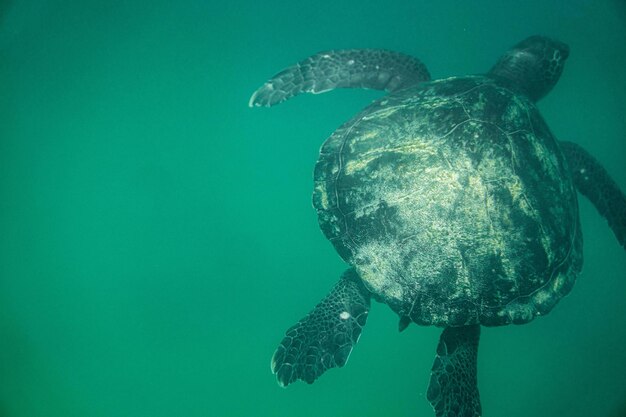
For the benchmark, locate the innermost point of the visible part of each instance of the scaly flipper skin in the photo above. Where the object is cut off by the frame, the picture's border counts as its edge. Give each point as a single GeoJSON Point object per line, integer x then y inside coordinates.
{"type": "Point", "coordinates": [592, 181]}
{"type": "Point", "coordinates": [390, 197]}
{"type": "Point", "coordinates": [453, 388]}
{"type": "Point", "coordinates": [349, 68]}
{"type": "Point", "coordinates": [325, 337]}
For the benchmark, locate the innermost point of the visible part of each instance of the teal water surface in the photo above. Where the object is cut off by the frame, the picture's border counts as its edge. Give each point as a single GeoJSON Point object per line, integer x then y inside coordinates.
{"type": "Point", "coordinates": [157, 236]}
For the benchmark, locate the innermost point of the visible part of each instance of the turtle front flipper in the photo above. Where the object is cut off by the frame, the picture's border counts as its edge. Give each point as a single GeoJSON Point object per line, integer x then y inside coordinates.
{"type": "Point", "coordinates": [453, 388]}
{"type": "Point", "coordinates": [347, 68]}
{"type": "Point", "coordinates": [325, 337]}
{"type": "Point", "coordinates": [592, 180]}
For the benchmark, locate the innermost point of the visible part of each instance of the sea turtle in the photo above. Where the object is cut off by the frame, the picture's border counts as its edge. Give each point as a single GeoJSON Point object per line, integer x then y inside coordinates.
{"type": "Point", "coordinates": [451, 201]}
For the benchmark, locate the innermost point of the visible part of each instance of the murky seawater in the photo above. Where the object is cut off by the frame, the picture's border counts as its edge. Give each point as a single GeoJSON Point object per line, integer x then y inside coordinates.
{"type": "Point", "coordinates": [157, 235]}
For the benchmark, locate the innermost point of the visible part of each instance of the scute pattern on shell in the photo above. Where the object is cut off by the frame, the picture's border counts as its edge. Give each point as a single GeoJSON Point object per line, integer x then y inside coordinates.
{"type": "Point", "coordinates": [452, 201]}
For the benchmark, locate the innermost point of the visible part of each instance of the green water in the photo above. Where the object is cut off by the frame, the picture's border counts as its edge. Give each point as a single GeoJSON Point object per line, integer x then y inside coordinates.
{"type": "Point", "coordinates": [157, 235]}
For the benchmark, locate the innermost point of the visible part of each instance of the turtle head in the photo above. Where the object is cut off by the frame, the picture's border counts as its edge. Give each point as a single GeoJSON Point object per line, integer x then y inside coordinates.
{"type": "Point", "coordinates": [532, 67]}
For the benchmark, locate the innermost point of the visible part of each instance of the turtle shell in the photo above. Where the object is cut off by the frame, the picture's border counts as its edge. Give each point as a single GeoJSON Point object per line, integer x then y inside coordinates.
{"type": "Point", "coordinates": [454, 203]}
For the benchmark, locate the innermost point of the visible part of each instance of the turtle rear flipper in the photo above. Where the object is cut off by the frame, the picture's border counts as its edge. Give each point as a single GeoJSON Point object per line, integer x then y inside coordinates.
{"type": "Point", "coordinates": [325, 337]}
{"type": "Point", "coordinates": [453, 388]}
{"type": "Point", "coordinates": [592, 180]}
{"type": "Point", "coordinates": [378, 69]}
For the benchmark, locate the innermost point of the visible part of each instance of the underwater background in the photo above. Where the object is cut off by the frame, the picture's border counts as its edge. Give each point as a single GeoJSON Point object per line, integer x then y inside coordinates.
{"type": "Point", "coordinates": [157, 236]}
